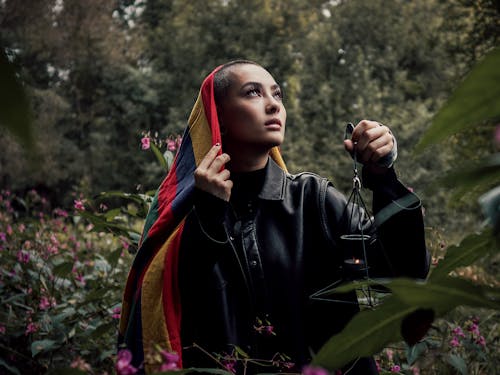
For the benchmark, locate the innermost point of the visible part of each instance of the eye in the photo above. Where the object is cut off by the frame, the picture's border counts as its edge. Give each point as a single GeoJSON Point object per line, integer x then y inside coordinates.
{"type": "Point", "coordinates": [253, 92]}
{"type": "Point", "coordinates": [278, 94]}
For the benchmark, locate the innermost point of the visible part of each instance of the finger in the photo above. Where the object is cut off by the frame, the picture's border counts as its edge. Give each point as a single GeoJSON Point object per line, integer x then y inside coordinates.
{"type": "Point", "coordinates": [370, 135]}
{"type": "Point", "coordinates": [225, 194]}
{"type": "Point", "coordinates": [348, 145]}
{"type": "Point", "coordinates": [218, 162]}
{"type": "Point", "coordinates": [361, 127]}
{"type": "Point", "coordinates": [224, 175]}
{"type": "Point", "coordinates": [377, 148]}
{"type": "Point", "coordinates": [209, 157]}
{"type": "Point", "coordinates": [380, 153]}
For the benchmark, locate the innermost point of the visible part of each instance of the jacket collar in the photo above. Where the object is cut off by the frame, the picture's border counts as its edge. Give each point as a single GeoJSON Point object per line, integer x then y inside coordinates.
{"type": "Point", "coordinates": [274, 182]}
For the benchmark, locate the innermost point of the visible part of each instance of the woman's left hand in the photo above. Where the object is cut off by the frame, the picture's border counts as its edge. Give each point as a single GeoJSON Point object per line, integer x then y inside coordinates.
{"type": "Point", "coordinates": [373, 142]}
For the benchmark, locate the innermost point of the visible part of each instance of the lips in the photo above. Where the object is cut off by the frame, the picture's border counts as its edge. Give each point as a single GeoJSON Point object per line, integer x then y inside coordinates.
{"type": "Point", "coordinates": [274, 121]}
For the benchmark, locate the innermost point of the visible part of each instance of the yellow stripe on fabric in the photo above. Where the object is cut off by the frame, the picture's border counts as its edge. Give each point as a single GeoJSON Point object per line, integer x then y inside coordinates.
{"type": "Point", "coordinates": [276, 155]}
{"type": "Point", "coordinates": [124, 316]}
{"type": "Point", "coordinates": [199, 131]}
{"type": "Point", "coordinates": [154, 330]}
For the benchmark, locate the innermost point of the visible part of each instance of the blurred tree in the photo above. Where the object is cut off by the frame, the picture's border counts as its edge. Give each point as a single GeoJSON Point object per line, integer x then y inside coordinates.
{"type": "Point", "coordinates": [91, 96]}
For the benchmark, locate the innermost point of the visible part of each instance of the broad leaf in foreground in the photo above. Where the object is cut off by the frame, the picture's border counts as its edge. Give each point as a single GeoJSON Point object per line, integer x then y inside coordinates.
{"type": "Point", "coordinates": [474, 101]}
{"type": "Point", "coordinates": [371, 330]}
{"type": "Point", "coordinates": [470, 250]}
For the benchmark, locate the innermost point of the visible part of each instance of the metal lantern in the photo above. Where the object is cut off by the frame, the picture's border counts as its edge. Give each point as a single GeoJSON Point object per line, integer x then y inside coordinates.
{"type": "Point", "coordinates": [354, 244]}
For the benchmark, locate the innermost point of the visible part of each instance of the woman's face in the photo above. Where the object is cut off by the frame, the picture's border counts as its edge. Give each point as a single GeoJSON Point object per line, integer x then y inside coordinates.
{"type": "Point", "coordinates": [252, 115]}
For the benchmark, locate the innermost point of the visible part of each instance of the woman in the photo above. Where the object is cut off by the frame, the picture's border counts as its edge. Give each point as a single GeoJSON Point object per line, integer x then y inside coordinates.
{"type": "Point", "coordinates": [234, 245]}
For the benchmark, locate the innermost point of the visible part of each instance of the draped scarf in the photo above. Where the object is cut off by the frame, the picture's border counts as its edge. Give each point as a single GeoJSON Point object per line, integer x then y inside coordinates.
{"type": "Point", "coordinates": [151, 306]}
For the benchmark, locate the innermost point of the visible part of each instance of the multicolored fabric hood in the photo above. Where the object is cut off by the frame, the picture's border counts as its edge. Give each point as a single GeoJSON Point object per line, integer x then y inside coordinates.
{"type": "Point", "coordinates": [151, 308]}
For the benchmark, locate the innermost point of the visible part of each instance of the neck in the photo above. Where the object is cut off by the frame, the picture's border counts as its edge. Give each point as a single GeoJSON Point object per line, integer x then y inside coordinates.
{"type": "Point", "coordinates": [247, 162]}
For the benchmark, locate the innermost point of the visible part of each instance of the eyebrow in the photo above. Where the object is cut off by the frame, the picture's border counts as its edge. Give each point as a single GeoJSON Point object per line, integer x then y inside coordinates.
{"type": "Point", "coordinates": [258, 84]}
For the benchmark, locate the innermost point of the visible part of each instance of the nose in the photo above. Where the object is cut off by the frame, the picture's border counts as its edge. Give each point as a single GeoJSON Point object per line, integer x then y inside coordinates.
{"type": "Point", "coordinates": [272, 105]}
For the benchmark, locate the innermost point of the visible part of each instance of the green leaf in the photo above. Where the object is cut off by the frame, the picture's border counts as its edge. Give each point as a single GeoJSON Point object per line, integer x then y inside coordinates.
{"type": "Point", "coordinates": [210, 371]}
{"type": "Point", "coordinates": [42, 346]}
{"type": "Point", "coordinates": [471, 249]}
{"type": "Point", "coordinates": [95, 294]}
{"type": "Point", "coordinates": [371, 330]}
{"type": "Point", "coordinates": [68, 312]}
{"type": "Point", "coordinates": [414, 352]}
{"type": "Point", "coordinates": [365, 334]}
{"type": "Point", "coordinates": [473, 102]}
{"type": "Point", "coordinates": [66, 371]}
{"type": "Point", "coordinates": [15, 112]}
{"type": "Point", "coordinates": [111, 214]}
{"type": "Point", "coordinates": [195, 370]}
{"type": "Point", "coordinates": [241, 352]}
{"type": "Point", "coordinates": [11, 369]}
{"type": "Point", "coordinates": [445, 294]}
{"type": "Point", "coordinates": [159, 156]}
{"type": "Point", "coordinates": [138, 198]}
{"type": "Point", "coordinates": [103, 329]}
{"type": "Point", "coordinates": [63, 269]}
{"type": "Point", "coordinates": [169, 158]}
{"type": "Point", "coordinates": [478, 176]}
{"type": "Point", "coordinates": [113, 257]}
{"type": "Point", "coordinates": [458, 363]}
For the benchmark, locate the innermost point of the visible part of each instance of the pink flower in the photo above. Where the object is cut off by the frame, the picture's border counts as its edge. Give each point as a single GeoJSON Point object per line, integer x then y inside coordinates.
{"type": "Point", "coordinates": [171, 145]}
{"type": "Point", "coordinates": [230, 365]}
{"type": "Point", "coordinates": [474, 329]}
{"type": "Point", "coordinates": [79, 277]}
{"type": "Point", "coordinates": [21, 228]}
{"type": "Point", "coordinates": [3, 236]}
{"type": "Point", "coordinates": [78, 204]}
{"type": "Point", "coordinates": [454, 342]}
{"type": "Point", "coordinates": [116, 312]}
{"type": "Point", "coordinates": [80, 364]}
{"type": "Point", "coordinates": [497, 135]}
{"type": "Point", "coordinates": [23, 256]}
{"type": "Point", "coordinates": [125, 244]}
{"type": "Point", "coordinates": [395, 368]}
{"type": "Point", "coordinates": [44, 303]}
{"type": "Point", "coordinates": [52, 249]}
{"type": "Point", "coordinates": [9, 230]}
{"type": "Point", "coordinates": [458, 332]}
{"type": "Point", "coordinates": [31, 328]}
{"type": "Point", "coordinates": [415, 370]}
{"type": "Point", "coordinates": [171, 361]}
{"type": "Point", "coordinates": [60, 212]}
{"type": "Point", "coordinates": [390, 354]}
{"type": "Point", "coordinates": [123, 366]}
{"type": "Point", "coordinates": [145, 143]}
{"type": "Point", "coordinates": [481, 341]}
{"type": "Point", "coordinates": [314, 370]}
{"type": "Point", "coordinates": [2, 329]}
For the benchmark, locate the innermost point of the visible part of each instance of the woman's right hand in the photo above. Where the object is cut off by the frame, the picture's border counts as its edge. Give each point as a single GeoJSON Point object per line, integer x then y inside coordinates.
{"type": "Point", "coordinates": [210, 177]}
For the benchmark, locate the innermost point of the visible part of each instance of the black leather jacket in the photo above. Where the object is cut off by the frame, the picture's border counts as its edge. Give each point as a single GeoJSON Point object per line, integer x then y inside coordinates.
{"type": "Point", "coordinates": [266, 260]}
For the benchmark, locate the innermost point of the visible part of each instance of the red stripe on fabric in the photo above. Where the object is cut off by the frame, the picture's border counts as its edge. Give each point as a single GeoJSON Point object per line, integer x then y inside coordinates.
{"type": "Point", "coordinates": [127, 294]}
{"type": "Point", "coordinates": [171, 294]}
{"type": "Point", "coordinates": [207, 96]}
{"type": "Point", "coordinates": [168, 190]}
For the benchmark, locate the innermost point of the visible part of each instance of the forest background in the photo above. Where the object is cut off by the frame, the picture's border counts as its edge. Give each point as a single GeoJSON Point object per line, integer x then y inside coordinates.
{"type": "Point", "coordinates": [101, 75]}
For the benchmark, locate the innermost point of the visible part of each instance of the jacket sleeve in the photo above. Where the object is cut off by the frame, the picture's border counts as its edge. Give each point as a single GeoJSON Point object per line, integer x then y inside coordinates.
{"type": "Point", "coordinates": [397, 240]}
{"type": "Point", "coordinates": [204, 236]}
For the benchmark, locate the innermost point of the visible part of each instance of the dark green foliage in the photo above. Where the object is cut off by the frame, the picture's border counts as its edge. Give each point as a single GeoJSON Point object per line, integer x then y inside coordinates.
{"type": "Point", "coordinates": [99, 75]}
